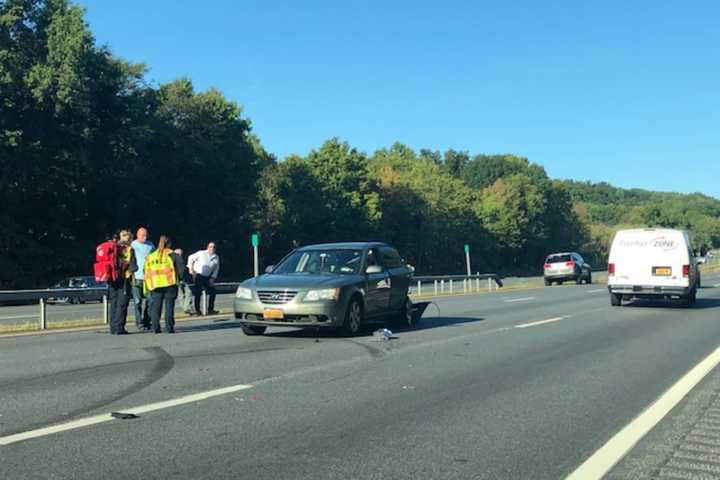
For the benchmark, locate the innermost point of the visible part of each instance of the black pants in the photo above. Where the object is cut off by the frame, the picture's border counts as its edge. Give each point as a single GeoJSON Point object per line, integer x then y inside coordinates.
{"type": "Point", "coordinates": [203, 283]}
{"type": "Point", "coordinates": [160, 297]}
{"type": "Point", "coordinates": [119, 300]}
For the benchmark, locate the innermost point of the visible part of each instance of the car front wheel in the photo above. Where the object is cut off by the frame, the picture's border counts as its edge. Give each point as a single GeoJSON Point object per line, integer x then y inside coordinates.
{"type": "Point", "coordinates": [353, 318]}
{"type": "Point", "coordinates": [406, 316]}
{"type": "Point", "coordinates": [615, 300]}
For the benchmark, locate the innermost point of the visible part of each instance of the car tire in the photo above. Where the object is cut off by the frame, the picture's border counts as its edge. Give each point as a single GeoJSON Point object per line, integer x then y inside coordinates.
{"type": "Point", "coordinates": [579, 279]}
{"type": "Point", "coordinates": [253, 330]}
{"type": "Point", "coordinates": [406, 317]}
{"type": "Point", "coordinates": [689, 300]}
{"type": "Point", "coordinates": [615, 300]}
{"type": "Point", "coordinates": [548, 282]}
{"type": "Point", "coordinates": [353, 322]}
{"type": "Point", "coordinates": [589, 278]}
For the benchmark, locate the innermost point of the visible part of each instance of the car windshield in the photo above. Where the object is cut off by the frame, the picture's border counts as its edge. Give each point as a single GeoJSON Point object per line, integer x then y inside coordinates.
{"type": "Point", "coordinates": [559, 258]}
{"type": "Point", "coordinates": [326, 262]}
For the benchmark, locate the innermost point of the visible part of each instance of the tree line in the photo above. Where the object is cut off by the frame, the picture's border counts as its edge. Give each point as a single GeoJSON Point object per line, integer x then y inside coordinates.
{"type": "Point", "coordinates": [88, 146]}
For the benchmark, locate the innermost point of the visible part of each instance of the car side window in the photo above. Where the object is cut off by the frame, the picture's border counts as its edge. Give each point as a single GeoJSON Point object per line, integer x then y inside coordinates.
{"type": "Point", "coordinates": [390, 258]}
{"type": "Point", "coordinates": [372, 258]}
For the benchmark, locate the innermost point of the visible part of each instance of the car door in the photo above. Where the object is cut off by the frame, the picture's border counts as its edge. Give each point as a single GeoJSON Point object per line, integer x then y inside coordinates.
{"type": "Point", "coordinates": [399, 276]}
{"type": "Point", "coordinates": [377, 286]}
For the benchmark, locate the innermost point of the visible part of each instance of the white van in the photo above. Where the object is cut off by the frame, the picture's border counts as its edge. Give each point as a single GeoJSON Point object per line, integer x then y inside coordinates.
{"type": "Point", "coordinates": [652, 263]}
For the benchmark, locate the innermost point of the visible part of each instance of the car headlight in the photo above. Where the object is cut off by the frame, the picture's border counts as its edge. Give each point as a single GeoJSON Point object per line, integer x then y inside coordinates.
{"type": "Point", "coordinates": [325, 294]}
{"type": "Point", "coordinates": [243, 293]}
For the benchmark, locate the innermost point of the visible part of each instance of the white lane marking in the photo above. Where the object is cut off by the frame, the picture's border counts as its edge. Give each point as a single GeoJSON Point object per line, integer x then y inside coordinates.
{"type": "Point", "coordinates": [717, 285]}
{"type": "Point", "coordinates": [615, 449]}
{"type": "Point", "coordinates": [524, 299]}
{"type": "Point", "coordinates": [541, 322]}
{"type": "Point", "coordinates": [105, 417]}
{"type": "Point", "coordinates": [597, 290]}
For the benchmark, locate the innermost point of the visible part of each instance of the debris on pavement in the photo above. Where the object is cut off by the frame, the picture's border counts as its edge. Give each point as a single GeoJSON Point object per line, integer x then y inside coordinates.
{"type": "Point", "coordinates": [123, 415]}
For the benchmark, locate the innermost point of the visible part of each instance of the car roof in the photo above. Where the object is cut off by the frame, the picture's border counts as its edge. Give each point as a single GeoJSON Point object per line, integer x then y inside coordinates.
{"type": "Point", "coordinates": [652, 229]}
{"type": "Point", "coordinates": [344, 245]}
{"type": "Point", "coordinates": [561, 253]}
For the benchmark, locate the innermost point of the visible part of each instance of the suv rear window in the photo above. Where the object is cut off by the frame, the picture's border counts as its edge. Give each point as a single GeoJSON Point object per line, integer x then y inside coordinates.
{"type": "Point", "coordinates": [559, 258]}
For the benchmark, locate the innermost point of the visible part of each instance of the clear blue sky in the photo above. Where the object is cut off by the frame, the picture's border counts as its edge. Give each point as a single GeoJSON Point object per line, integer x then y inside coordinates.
{"type": "Point", "coordinates": [625, 92]}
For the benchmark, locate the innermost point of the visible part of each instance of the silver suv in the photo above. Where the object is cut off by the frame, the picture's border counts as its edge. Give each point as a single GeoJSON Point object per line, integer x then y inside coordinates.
{"type": "Point", "coordinates": [564, 267]}
{"type": "Point", "coordinates": [335, 285]}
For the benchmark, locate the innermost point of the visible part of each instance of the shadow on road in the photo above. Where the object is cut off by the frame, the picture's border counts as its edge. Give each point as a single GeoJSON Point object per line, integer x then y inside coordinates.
{"type": "Point", "coordinates": [424, 324]}
{"type": "Point", "coordinates": [223, 324]}
{"type": "Point", "coordinates": [701, 304]}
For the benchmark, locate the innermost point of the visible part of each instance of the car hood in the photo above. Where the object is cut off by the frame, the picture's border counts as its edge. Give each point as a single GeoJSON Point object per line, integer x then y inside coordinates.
{"type": "Point", "coordinates": [300, 281]}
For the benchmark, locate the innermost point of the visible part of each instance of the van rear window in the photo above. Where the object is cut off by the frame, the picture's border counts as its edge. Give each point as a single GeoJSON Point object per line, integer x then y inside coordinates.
{"type": "Point", "coordinates": [558, 258]}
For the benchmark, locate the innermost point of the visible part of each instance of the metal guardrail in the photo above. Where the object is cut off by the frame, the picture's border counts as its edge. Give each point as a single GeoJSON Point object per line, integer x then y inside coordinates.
{"type": "Point", "coordinates": [43, 295]}
{"type": "Point", "coordinates": [446, 284]}
{"type": "Point", "coordinates": [442, 284]}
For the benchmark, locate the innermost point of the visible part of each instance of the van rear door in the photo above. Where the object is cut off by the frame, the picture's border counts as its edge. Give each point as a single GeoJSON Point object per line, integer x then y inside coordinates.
{"type": "Point", "coordinates": [649, 258]}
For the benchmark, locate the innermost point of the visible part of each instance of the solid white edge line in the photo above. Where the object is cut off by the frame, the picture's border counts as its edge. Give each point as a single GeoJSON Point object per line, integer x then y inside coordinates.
{"type": "Point", "coordinates": [540, 322]}
{"type": "Point", "coordinates": [524, 299]}
{"type": "Point", "coordinates": [604, 459]}
{"type": "Point", "coordinates": [105, 417]}
{"type": "Point", "coordinates": [598, 290]}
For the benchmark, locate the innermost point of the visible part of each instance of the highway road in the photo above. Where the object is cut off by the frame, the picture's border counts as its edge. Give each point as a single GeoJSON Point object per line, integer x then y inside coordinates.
{"type": "Point", "coordinates": [527, 384]}
{"type": "Point", "coordinates": [63, 312]}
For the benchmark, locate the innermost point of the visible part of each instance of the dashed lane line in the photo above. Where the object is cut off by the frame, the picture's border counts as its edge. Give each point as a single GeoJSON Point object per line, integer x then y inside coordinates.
{"type": "Point", "coordinates": [540, 322]}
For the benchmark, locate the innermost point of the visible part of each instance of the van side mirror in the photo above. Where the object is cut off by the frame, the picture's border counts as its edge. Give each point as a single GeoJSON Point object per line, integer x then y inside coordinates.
{"type": "Point", "coordinates": [269, 268]}
{"type": "Point", "coordinates": [374, 269]}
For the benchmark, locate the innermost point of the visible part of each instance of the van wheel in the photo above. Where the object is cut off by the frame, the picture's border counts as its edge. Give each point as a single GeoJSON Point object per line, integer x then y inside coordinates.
{"type": "Point", "coordinates": [579, 279]}
{"type": "Point", "coordinates": [689, 300]}
{"type": "Point", "coordinates": [353, 319]}
{"type": "Point", "coordinates": [615, 300]}
{"type": "Point", "coordinates": [547, 282]}
{"type": "Point", "coordinates": [252, 330]}
{"type": "Point", "coordinates": [589, 278]}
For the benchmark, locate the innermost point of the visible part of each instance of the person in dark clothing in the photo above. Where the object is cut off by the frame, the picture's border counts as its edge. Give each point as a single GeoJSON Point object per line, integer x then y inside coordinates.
{"type": "Point", "coordinates": [120, 290]}
{"type": "Point", "coordinates": [162, 281]}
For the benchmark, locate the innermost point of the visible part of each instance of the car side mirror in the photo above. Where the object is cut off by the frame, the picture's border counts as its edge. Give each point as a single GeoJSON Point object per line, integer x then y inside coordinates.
{"type": "Point", "coordinates": [269, 268]}
{"type": "Point", "coordinates": [374, 269]}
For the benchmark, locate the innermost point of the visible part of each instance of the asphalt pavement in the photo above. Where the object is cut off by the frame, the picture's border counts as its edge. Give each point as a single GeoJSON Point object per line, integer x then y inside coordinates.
{"type": "Point", "coordinates": [523, 384]}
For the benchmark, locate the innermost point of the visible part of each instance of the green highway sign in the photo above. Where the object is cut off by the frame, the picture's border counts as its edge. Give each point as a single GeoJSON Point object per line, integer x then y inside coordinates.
{"type": "Point", "coordinates": [255, 239]}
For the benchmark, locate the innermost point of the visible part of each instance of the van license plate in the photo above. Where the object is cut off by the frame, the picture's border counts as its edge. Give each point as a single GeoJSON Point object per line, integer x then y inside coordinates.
{"type": "Point", "coordinates": [662, 271]}
{"type": "Point", "coordinates": [273, 314]}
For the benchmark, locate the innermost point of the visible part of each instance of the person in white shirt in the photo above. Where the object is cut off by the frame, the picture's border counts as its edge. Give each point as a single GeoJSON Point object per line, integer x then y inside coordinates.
{"type": "Point", "coordinates": [204, 266]}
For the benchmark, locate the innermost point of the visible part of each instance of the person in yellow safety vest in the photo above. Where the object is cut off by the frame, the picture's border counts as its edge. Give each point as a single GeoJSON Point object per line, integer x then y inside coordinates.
{"type": "Point", "coordinates": [163, 268]}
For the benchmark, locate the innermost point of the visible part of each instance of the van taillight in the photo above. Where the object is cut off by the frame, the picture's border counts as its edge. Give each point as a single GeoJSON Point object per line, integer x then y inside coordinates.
{"type": "Point", "coordinates": [547, 265]}
{"type": "Point", "coordinates": [686, 270]}
{"type": "Point", "coordinates": [569, 264]}
{"type": "Point", "coordinates": [611, 269]}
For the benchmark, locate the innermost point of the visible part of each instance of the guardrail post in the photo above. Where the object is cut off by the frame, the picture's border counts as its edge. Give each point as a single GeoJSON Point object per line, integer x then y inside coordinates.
{"type": "Point", "coordinates": [43, 314]}
{"type": "Point", "coordinates": [419, 289]}
{"type": "Point", "coordinates": [435, 285]}
{"type": "Point", "coordinates": [489, 284]}
{"type": "Point", "coordinates": [477, 285]}
{"type": "Point", "coordinates": [442, 287]}
{"type": "Point", "coordinates": [106, 310]}
{"type": "Point", "coordinates": [451, 287]}
{"type": "Point", "coordinates": [464, 285]}
{"type": "Point", "coordinates": [204, 303]}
